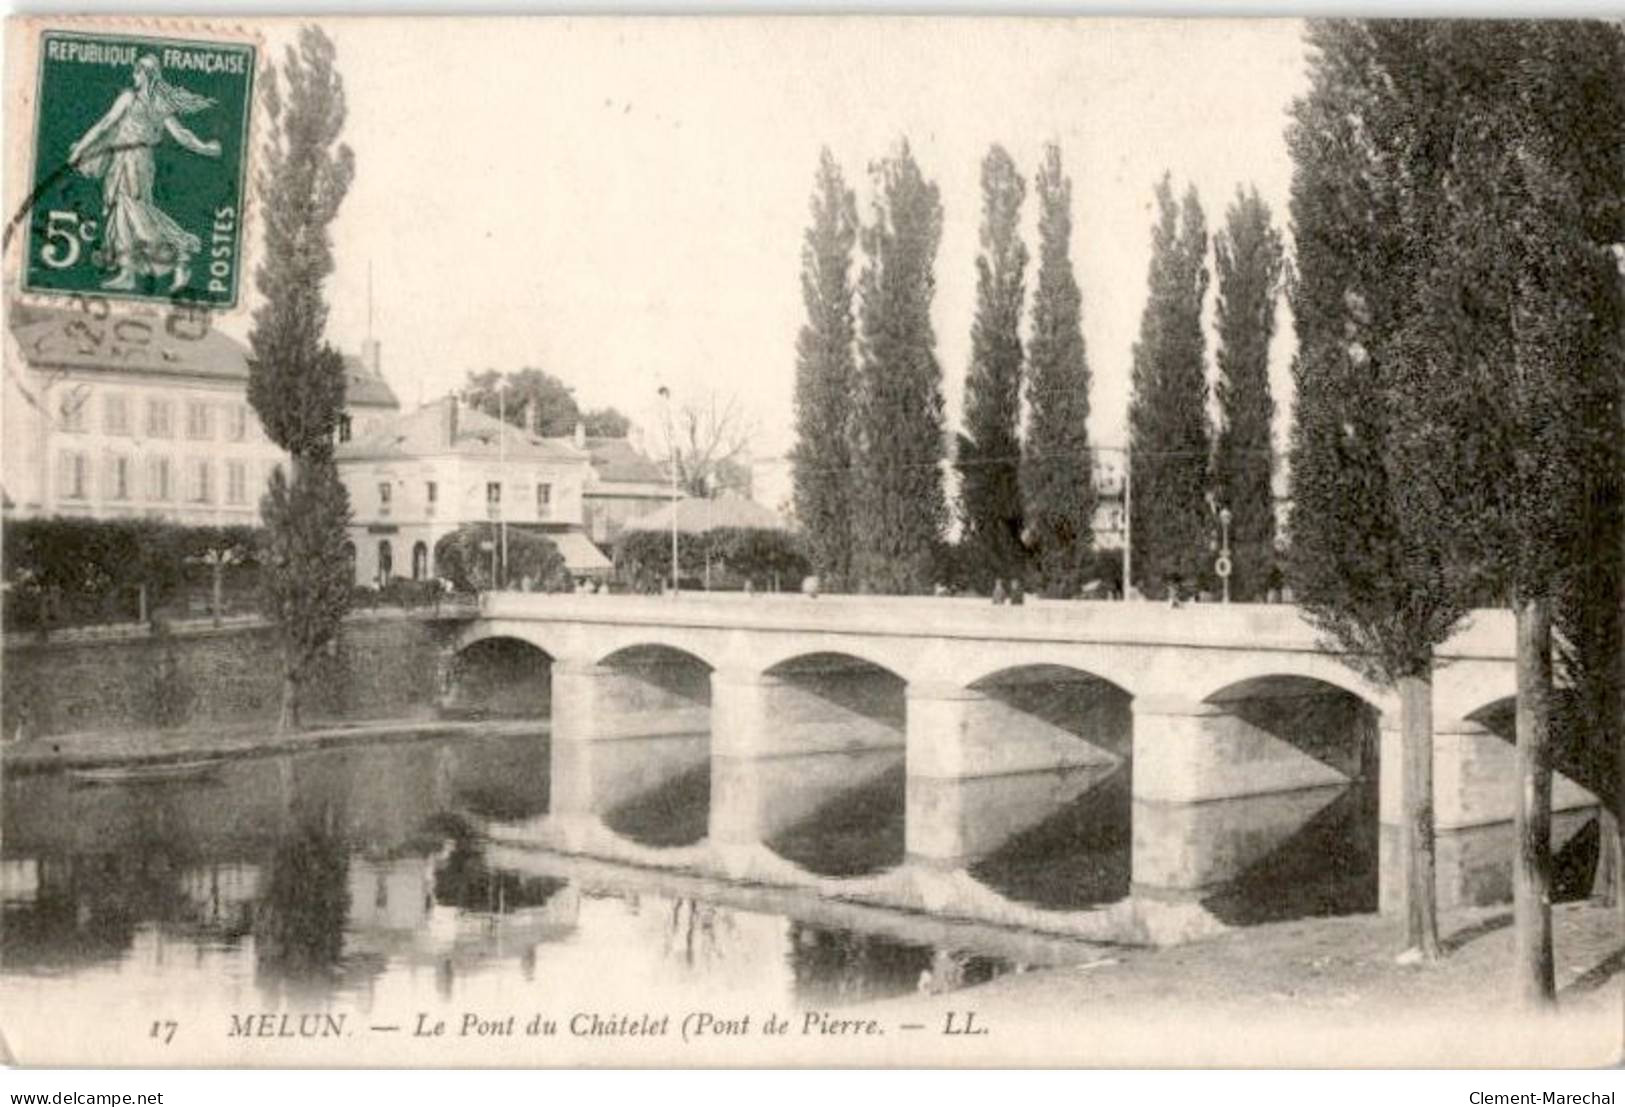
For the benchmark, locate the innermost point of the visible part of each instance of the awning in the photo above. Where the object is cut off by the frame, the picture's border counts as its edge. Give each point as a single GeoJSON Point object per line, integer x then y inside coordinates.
{"type": "Point", "coordinates": [581, 557]}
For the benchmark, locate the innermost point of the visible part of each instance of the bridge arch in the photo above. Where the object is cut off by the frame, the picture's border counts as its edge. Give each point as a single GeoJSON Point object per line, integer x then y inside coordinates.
{"type": "Point", "coordinates": [828, 779]}
{"type": "Point", "coordinates": [1045, 806]}
{"type": "Point", "coordinates": [613, 645]}
{"type": "Point", "coordinates": [1293, 757]}
{"type": "Point", "coordinates": [1487, 741]}
{"type": "Point", "coordinates": [885, 654]}
{"type": "Point", "coordinates": [496, 674]}
{"type": "Point", "coordinates": [1231, 678]}
{"type": "Point", "coordinates": [1123, 669]}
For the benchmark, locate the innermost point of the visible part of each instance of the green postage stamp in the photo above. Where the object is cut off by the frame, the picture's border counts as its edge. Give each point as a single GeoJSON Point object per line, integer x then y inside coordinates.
{"type": "Point", "coordinates": [140, 149]}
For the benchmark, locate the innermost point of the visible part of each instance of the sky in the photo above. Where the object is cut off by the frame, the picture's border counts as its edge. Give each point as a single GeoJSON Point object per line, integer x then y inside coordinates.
{"type": "Point", "coordinates": [622, 203]}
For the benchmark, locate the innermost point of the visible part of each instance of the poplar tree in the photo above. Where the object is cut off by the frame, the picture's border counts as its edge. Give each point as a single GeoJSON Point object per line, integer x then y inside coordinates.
{"type": "Point", "coordinates": [296, 378]}
{"type": "Point", "coordinates": [821, 461]}
{"type": "Point", "coordinates": [899, 509]}
{"type": "Point", "coordinates": [1056, 467]}
{"type": "Point", "coordinates": [1515, 326]}
{"type": "Point", "coordinates": [1366, 560]}
{"type": "Point", "coordinates": [1168, 434]}
{"type": "Point", "coordinates": [989, 455]}
{"type": "Point", "coordinates": [1249, 259]}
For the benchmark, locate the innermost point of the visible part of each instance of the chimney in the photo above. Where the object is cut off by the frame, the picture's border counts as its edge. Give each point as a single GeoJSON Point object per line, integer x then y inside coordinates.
{"type": "Point", "coordinates": [451, 420]}
{"type": "Point", "coordinates": [371, 357]}
{"type": "Point", "coordinates": [581, 435]}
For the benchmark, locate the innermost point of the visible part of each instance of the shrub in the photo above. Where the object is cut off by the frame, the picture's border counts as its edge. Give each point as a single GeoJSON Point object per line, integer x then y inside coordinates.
{"type": "Point", "coordinates": [464, 558]}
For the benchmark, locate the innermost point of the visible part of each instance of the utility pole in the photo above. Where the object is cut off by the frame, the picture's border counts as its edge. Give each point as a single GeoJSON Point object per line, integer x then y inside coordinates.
{"type": "Point", "coordinates": [671, 463]}
{"type": "Point", "coordinates": [502, 477]}
{"type": "Point", "coordinates": [1128, 520]}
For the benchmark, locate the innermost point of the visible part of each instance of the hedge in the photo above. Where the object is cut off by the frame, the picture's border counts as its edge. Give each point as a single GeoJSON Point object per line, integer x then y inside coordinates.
{"type": "Point", "coordinates": [738, 555]}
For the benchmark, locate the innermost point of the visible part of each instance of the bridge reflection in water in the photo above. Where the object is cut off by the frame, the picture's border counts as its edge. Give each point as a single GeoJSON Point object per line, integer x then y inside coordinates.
{"type": "Point", "coordinates": [1117, 772]}
{"type": "Point", "coordinates": [359, 877]}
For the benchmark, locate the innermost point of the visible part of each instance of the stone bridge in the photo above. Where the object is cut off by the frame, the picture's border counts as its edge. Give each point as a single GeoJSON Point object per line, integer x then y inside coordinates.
{"type": "Point", "coordinates": [1214, 733]}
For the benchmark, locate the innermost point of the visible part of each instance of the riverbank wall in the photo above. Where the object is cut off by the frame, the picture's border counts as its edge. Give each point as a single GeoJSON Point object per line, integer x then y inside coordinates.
{"type": "Point", "coordinates": [383, 665]}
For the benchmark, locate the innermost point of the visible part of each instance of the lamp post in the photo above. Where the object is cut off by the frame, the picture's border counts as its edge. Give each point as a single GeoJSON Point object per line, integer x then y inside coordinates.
{"type": "Point", "coordinates": [671, 463]}
{"type": "Point", "coordinates": [502, 478]}
{"type": "Point", "coordinates": [1223, 566]}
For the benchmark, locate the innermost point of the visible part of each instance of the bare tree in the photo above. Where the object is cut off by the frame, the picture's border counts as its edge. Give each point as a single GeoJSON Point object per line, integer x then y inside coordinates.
{"type": "Point", "coordinates": [709, 440]}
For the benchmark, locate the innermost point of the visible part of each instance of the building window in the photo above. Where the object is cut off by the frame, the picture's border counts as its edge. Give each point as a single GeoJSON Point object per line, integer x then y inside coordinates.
{"type": "Point", "coordinates": [158, 479]}
{"type": "Point", "coordinates": [73, 479]}
{"type": "Point", "coordinates": [236, 482]}
{"type": "Point", "coordinates": [237, 422]}
{"type": "Point", "coordinates": [431, 496]}
{"type": "Point", "coordinates": [544, 500]}
{"type": "Point", "coordinates": [200, 481]}
{"type": "Point", "coordinates": [420, 561]}
{"type": "Point", "coordinates": [386, 562]}
{"type": "Point", "coordinates": [118, 478]}
{"type": "Point", "coordinates": [198, 421]}
{"type": "Point", "coordinates": [159, 423]}
{"type": "Point", "coordinates": [72, 409]}
{"type": "Point", "coordinates": [493, 498]}
{"type": "Point", "coordinates": [345, 428]}
{"type": "Point", "coordinates": [385, 491]}
{"type": "Point", "coordinates": [115, 413]}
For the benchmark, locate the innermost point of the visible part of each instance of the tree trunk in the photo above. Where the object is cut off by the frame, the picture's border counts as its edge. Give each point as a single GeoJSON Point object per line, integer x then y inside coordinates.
{"type": "Point", "coordinates": [1605, 885]}
{"type": "Point", "coordinates": [1618, 690]}
{"type": "Point", "coordinates": [288, 719]}
{"type": "Point", "coordinates": [218, 590]}
{"type": "Point", "coordinates": [1532, 815]}
{"type": "Point", "coordinates": [1416, 830]}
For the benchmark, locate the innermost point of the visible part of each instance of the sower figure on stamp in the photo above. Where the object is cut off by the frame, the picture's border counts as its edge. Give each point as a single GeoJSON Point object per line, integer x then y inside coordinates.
{"type": "Point", "coordinates": [140, 238]}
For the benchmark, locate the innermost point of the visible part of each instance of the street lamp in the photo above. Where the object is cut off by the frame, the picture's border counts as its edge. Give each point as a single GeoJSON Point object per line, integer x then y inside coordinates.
{"type": "Point", "coordinates": [1222, 566]}
{"type": "Point", "coordinates": [671, 463]}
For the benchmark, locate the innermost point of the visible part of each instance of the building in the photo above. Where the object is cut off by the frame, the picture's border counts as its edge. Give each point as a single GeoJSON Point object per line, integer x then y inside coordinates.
{"type": "Point", "coordinates": [1109, 524]}
{"type": "Point", "coordinates": [142, 415]}
{"type": "Point", "coordinates": [1106, 473]}
{"type": "Point", "coordinates": [416, 478]}
{"type": "Point", "coordinates": [696, 515]}
{"type": "Point", "coordinates": [623, 485]}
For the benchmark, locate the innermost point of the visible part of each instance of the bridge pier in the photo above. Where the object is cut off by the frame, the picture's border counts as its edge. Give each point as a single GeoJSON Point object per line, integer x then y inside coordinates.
{"type": "Point", "coordinates": [1216, 792]}
{"type": "Point", "coordinates": [619, 732]}
{"type": "Point", "coordinates": [786, 745]}
{"type": "Point", "coordinates": [982, 770]}
{"type": "Point", "coordinates": [1474, 792]}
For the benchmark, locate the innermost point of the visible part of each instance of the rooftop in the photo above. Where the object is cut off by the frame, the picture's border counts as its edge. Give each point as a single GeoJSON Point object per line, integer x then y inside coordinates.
{"type": "Point", "coordinates": [618, 461]}
{"type": "Point", "coordinates": [422, 433]}
{"type": "Point", "coordinates": [132, 342]}
{"type": "Point", "coordinates": [696, 516]}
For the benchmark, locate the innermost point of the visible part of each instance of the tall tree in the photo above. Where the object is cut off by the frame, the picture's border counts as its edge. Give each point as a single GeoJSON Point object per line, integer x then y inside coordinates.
{"type": "Point", "coordinates": [1364, 559]}
{"type": "Point", "coordinates": [1168, 434]}
{"type": "Point", "coordinates": [899, 510]}
{"type": "Point", "coordinates": [825, 374]}
{"type": "Point", "coordinates": [536, 399]}
{"type": "Point", "coordinates": [296, 379]}
{"type": "Point", "coordinates": [1516, 328]}
{"type": "Point", "coordinates": [989, 454]}
{"type": "Point", "coordinates": [1249, 258]}
{"type": "Point", "coordinates": [1056, 466]}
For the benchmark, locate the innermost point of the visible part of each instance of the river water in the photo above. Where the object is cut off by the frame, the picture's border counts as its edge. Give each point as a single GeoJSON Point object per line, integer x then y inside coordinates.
{"type": "Point", "coordinates": [355, 878]}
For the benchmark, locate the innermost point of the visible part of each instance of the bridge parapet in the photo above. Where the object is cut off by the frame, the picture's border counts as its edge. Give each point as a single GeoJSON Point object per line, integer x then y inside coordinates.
{"type": "Point", "coordinates": [1485, 635]}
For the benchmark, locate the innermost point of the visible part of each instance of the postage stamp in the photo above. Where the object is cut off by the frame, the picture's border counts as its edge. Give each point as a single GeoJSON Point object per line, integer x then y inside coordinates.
{"type": "Point", "coordinates": [140, 151]}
